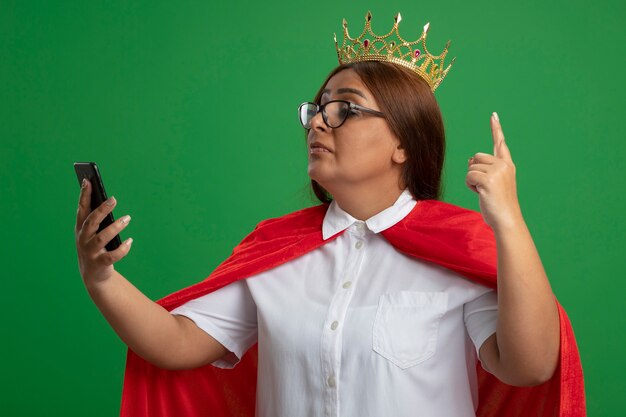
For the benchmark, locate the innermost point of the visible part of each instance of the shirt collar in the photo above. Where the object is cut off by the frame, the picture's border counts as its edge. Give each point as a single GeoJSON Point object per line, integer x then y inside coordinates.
{"type": "Point", "coordinates": [337, 220]}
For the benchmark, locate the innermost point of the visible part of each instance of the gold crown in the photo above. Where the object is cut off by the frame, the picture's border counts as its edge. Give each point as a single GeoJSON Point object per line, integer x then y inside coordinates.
{"type": "Point", "coordinates": [371, 47]}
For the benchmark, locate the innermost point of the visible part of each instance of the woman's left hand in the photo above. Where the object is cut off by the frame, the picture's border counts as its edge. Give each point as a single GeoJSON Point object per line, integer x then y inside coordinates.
{"type": "Point", "coordinates": [492, 177]}
{"type": "Point", "coordinates": [524, 351]}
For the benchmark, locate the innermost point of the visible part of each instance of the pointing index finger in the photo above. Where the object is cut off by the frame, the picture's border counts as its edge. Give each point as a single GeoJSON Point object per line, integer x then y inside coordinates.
{"type": "Point", "coordinates": [500, 150]}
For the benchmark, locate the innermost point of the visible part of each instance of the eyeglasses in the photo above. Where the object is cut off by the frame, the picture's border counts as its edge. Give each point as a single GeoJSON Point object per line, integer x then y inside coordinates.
{"type": "Point", "coordinates": [334, 112]}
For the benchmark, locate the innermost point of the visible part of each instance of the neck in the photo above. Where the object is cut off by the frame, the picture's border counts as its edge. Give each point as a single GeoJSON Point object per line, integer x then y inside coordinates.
{"type": "Point", "coordinates": [363, 202]}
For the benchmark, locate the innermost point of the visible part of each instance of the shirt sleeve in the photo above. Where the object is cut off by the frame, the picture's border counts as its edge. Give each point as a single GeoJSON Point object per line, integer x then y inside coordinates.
{"type": "Point", "coordinates": [481, 318]}
{"type": "Point", "coordinates": [229, 315]}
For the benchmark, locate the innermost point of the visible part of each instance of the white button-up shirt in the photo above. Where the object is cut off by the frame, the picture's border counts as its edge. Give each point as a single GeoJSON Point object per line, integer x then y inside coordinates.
{"type": "Point", "coordinates": [355, 328]}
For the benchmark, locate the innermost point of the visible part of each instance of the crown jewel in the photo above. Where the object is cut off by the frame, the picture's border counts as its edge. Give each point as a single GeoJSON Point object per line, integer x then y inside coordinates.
{"type": "Point", "coordinates": [393, 48]}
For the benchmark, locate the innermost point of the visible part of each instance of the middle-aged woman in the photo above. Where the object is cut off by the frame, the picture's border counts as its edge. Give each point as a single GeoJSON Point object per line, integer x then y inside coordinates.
{"type": "Point", "coordinates": [381, 301]}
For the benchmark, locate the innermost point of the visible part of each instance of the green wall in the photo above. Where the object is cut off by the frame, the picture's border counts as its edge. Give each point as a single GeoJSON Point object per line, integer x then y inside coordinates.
{"type": "Point", "coordinates": [189, 109]}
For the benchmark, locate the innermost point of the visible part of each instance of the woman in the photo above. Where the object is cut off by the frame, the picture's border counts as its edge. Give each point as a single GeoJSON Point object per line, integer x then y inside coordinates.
{"type": "Point", "coordinates": [346, 324]}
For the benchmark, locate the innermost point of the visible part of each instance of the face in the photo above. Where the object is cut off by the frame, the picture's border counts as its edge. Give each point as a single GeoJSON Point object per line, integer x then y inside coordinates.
{"type": "Point", "coordinates": [362, 151]}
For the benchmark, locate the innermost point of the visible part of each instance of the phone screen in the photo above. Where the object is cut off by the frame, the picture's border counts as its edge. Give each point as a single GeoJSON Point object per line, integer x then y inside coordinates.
{"type": "Point", "coordinates": [90, 171]}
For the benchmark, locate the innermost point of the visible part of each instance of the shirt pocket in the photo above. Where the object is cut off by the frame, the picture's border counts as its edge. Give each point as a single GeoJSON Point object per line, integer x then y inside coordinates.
{"type": "Point", "coordinates": [407, 324]}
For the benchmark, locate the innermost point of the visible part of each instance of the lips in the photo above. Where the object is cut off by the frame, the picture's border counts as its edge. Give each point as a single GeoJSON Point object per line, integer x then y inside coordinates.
{"type": "Point", "coordinates": [317, 147]}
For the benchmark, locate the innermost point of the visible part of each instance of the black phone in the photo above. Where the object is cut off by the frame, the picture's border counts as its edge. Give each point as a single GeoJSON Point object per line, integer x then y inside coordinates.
{"type": "Point", "coordinates": [90, 171]}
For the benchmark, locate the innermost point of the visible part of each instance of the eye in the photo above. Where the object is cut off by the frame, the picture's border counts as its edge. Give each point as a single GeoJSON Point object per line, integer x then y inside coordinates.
{"type": "Point", "coordinates": [355, 112]}
{"type": "Point", "coordinates": [343, 111]}
{"type": "Point", "coordinates": [338, 110]}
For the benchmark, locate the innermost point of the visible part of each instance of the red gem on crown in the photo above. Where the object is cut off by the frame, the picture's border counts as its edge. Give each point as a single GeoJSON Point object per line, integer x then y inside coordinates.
{"type": "Point", "coordinates": [417, 53]}
{"type": "Point", "coordinates": [366, 43]}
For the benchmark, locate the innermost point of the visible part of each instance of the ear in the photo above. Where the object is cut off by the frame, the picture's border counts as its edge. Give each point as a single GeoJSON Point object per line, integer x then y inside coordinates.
{"type": "Point", "coordinates": [399, 155]}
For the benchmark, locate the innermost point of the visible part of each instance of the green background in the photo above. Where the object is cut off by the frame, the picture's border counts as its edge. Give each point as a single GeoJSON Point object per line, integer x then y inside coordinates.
{"type": "Point", "coordinates": [189, 110]}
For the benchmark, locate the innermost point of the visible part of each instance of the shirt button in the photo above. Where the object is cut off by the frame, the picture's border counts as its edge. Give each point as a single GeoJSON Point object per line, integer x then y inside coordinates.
{"type": "Point", "coordinates": [334, 325]}
{"type": "Point", "coordinates": [360, 227]}
{"type": "Point", "coordinates": [347, 284]}
{"type": "Point", "coordinates": [358, 244]}
{"type": "Point", "coordinates": [331, 381]}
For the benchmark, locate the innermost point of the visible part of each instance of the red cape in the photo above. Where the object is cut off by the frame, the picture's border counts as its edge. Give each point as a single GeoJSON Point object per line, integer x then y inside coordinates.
{"type": "Point", "coordinates": [434, 231]}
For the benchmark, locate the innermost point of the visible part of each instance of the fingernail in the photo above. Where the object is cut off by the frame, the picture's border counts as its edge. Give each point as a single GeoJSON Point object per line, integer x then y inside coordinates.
{"type": "Point", "coordinates": [110, 201]}
{"type": "Point", "coordinates": [495, 116]}
{"type": "Point", "coordinates": [129, 241]}
{"type": "Point", "coordinates": [125, 219]}
{"type": "Point", "coordinates": [84, 183]}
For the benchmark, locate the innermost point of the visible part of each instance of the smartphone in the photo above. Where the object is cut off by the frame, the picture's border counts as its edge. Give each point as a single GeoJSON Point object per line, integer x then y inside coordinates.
{"type": "Point", "coordinates": [90, 171]}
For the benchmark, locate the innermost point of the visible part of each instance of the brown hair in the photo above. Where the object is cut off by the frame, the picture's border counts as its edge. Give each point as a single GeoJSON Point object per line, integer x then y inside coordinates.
{"type": "Point", "coordinates": [413, 116]}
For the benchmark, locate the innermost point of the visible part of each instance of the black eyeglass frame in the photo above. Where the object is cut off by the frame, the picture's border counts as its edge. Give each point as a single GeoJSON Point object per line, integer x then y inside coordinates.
{"type": "Point", "coordinates": [322, 108]}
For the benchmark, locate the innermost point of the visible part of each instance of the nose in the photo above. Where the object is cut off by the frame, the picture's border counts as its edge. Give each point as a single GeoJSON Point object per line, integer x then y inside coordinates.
{"type": "Point", "coordinates": [318, 124]}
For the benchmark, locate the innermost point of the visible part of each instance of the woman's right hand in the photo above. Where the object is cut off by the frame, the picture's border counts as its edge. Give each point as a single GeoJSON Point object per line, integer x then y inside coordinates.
{"type": "Point", "coordinates": [94, 261]}
{"type": "Point", "coordinates": [168, 341]}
